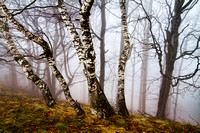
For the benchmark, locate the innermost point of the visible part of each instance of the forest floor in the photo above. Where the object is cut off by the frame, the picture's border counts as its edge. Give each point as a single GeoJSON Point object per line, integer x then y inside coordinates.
{"type": "Point", "coordinates": [21, 113]}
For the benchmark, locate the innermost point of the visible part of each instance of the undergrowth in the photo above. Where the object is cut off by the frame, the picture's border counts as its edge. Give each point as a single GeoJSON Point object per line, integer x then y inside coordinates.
{"type": "Point", "coordinates": [20, 113]}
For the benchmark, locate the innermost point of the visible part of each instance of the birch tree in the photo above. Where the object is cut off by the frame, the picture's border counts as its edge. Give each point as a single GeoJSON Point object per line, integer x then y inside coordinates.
{"type": "Point", "coordinates": [83, 45]}
{"type": "Point", "coordinates": [25, 64]}
{"type": "Point", "coordinates": [47, 54]}
{"type": "Point", "coordinates": [121, 103]}
{"type": "Point", "coordinates": [99, 104]}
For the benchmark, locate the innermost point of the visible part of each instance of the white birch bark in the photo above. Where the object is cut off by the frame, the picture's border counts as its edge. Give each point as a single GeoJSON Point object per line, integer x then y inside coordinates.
{"type": "Point", "coordinates": [25, 64]}
{"type": "Point", "coordinates": [98, 102]}
{"type": "Point", "coordinates": [121, 103]}
{"type": "Point", "coordinates": [48, 54]}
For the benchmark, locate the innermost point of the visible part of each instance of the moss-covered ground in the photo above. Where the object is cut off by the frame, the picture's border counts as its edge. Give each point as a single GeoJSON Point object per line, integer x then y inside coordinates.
{"type": "Point", "coordinates": [21, 113]}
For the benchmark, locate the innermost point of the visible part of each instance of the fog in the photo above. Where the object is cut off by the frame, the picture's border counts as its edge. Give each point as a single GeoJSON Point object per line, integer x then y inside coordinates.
{"type": "Point", "coordinates": [188, 105]}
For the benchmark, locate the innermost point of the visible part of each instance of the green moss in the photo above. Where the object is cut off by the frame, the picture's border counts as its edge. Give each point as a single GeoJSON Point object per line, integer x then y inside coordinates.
{"type": "Point", "coordinates": [61, 126]}
{"type": "Point", "coordinates": [122, 122]}
{"type": "Point", "coordinates": [20, 113]}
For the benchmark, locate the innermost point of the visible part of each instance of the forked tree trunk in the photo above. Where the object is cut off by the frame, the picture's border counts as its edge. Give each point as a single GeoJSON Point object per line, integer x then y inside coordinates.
{"type": "Point", "coordinates": [99, 104]}
{"type": "Point", "coordinates": [172, 43]}
{"type": "Point", "coordinates": [25, 65]}
{"type": "Point", "coordinates": [121, 103]}
{"type": "Point", "coordinates": [47, 53]}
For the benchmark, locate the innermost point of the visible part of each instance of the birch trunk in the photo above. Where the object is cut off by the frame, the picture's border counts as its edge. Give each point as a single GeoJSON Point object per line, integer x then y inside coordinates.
{"type": "Point", "coordinates": [47, 53]}
{"type": "Point", "coordinates": [99, 104]}
{"type": "Point", "coordinates": [25, 65]}
{"type": "Point", "coordinates": [121, 103]}
{"type": "Point", "coordinates": [122, 37]}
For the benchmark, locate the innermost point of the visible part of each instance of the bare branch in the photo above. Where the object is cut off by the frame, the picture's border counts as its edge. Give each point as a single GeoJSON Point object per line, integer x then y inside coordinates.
{"type": "Point", "coordinates": [191, 84]}
{"type": "Point", "coordinates": [157, 46]}
{"type": "Point", "coordinates": [185, 7]}
{"type": "Point", "coordinates": [92, 32]}
{"type": "Point", "coordinates": [191, 51]}
{"type": "Point", "coordinates": [25, 7]}
{"type": "Point", "coordinates": [2, 59]}
{"type": "Point", "coordinates": [169, 8]}
{"type": "Point", "coordinates": [187, 76]}
{"type": "Point", "coordinates": [183, 29]}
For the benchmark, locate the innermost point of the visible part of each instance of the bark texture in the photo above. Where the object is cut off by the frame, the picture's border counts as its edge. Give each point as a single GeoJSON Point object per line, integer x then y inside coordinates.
{"type": "Point", "coordinates": [98, 102]}
{"type": "Point", "coordinates": [28, 71]}
{"type": "Point", "coordinates": [121, 103]}
{"type": "Point", "coordinates": [47, 53]}
{"type": "Point", "coordinates": [172, 42]}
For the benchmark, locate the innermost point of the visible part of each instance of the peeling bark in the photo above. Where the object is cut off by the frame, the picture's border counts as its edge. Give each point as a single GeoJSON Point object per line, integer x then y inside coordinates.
{"type": "Point", "coordinates": [98, 99]}
{"type": "Point", "coordinates": [98, 102]}
{"type": "Point", "coordinates": [121, 103]}
{"type": "Point", "coordinates": [48, 54]}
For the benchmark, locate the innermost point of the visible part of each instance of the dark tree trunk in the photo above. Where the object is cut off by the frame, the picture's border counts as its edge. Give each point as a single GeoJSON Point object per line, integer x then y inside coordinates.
{"type": "Point", "coordinates": [163, 96]}
{"type": "Point", "coordinates": [172, 43]}
{"type": "Point", "coordinates": [102, 44]}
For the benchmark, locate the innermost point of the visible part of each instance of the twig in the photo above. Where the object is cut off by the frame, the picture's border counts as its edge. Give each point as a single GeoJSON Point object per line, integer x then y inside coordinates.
{"type": "Point", "coordinates": [1, 59]}
{"type": "Point", "coordinates": [194, 120]}
{"type": "Point", "coordinates": [25, 7]}
{"type": "Point", "coordinates": [144, 113]}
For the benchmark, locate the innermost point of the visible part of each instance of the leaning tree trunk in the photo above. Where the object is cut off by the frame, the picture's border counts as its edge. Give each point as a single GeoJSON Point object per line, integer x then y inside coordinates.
{"type": "Point", "coordinates": [47, 53]}
{"type": "Point", "coordinates": [98, 102]}
{"type": "Point", "coordinates": [25, 65]}
{"type": "Point", "coordinates": [172, 42]}
{"type": "Point", "coordinates": [121, 103]}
